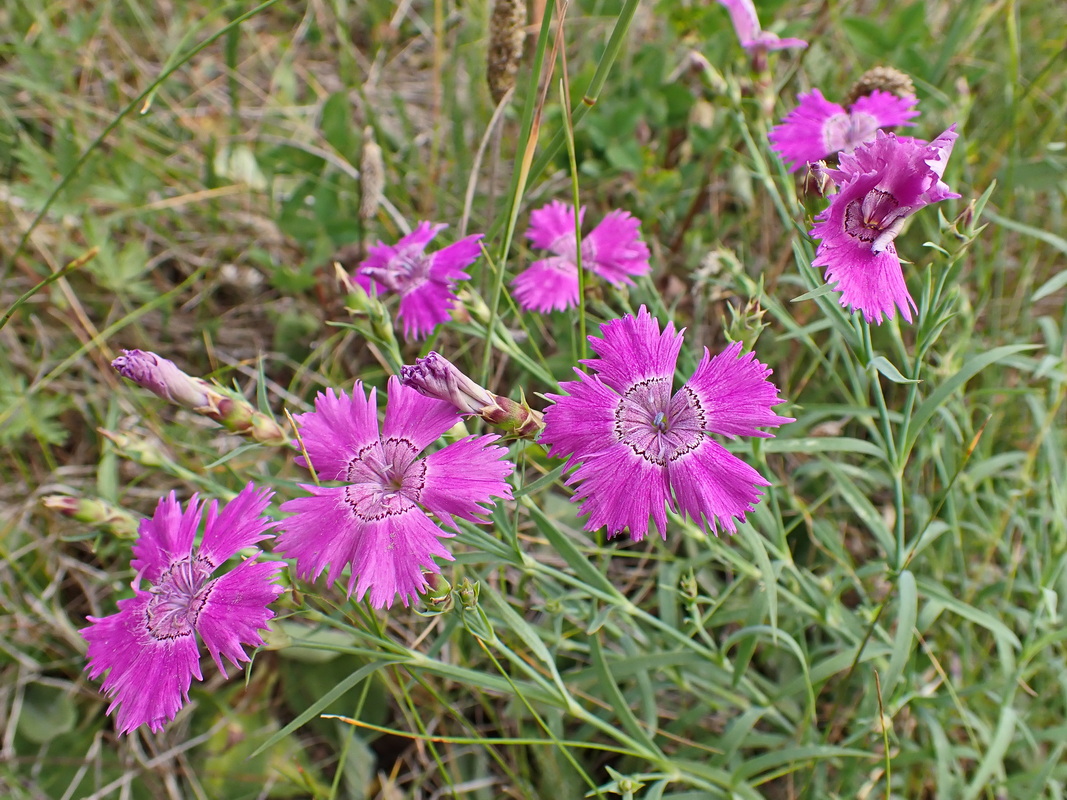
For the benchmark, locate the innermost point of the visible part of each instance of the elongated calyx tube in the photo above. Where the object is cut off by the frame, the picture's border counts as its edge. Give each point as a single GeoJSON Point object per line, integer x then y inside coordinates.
{"type": "Point", "coordinates": [162, 377]}
{"type": "Point", "coordinates": [435, 376]}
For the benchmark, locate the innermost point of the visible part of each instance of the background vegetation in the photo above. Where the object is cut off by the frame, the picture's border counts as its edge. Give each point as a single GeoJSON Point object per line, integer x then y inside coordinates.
{"type": "Point", "coordinates": [886, 624]}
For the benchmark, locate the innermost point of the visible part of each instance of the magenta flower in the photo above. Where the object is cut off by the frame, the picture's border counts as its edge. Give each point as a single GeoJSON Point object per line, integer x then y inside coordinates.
{"type": "Point", "coordinates": [377, 522]}
{"type": "Point", "coordinates": [642, 447]}
{"type": "Point", "coordinates": [817, 128]}
{"type": "Point", "coordinates": [613, 250]}
{"type": "Point", "coordinates": [879, 185]}
{"type": "Point", "coordinates": [150, 645]}
{"type": "Point", "coordinates": [425, 282]}
{"type": "Point", "coordinates": [752, 36]}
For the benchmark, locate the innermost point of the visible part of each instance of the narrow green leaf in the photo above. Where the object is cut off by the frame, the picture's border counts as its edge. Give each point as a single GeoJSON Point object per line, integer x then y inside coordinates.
{"type": "Point", "coordinates": [822, 444]}
{"type": "Point", "coordinates": [973, 366]}
{"type": "Point", "coordinates": [863, 508]}
{"type": "Point", "coordinates": [886, 368]}
{"type": "Point", "coordinates": [907, 611]}
{"type": "Point", "coordinates": [610, 691]}
{"type": "Point", "coordinates": [935, 591]}
{"type": "Point", "coordinates": [992, 762]}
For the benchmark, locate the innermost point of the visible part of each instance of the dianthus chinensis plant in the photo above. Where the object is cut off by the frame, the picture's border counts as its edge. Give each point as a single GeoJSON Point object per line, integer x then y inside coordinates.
{"type": "Point", "coordinates": [579, 491]}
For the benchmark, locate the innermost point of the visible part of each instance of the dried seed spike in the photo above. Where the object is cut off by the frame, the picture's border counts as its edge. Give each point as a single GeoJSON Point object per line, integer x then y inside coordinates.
{"type": "Point", "coordinates": [507, 32]}
{"type": "Point", "coordinates": [371, 176]}
{"type": "Point", "coordinates": [888, 79]}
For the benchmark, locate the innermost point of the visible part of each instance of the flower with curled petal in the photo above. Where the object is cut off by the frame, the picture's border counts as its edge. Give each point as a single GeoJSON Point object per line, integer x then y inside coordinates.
{"type": "Point", "coordinates": [880, 185]}
{"type": "Point", "coordinates": [149, 648]}
{"type": "Point", "coordinates": [376, 520]}
{"type": "Point", "coordinates": [642, 447]}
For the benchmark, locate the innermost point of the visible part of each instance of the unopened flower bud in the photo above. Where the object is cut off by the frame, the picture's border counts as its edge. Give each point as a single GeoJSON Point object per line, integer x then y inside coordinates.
{"type": "Point", "coordinates": [438, 596]}
{"type": "Point", "coordinates": [373, 319]}
{"type": "Point", "coordinates": [162, 377]}
{"type": "Point", "coordinates": [468, 592]}
{"type": "Point", "coordinates": [435, 376]}
{"type": "Point", "coordinates": [94, 511]}
{"type": "Point", "coordinates": [746, 324]}
{"type": "Point", "coordinates": [136, 448]}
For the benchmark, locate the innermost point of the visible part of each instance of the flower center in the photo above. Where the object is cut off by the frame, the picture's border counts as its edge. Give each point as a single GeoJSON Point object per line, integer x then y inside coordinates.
{"type": "Point", "coordinates": [384, 482]}
{"type": "Point", "coordinates": [407, 270]}
{"type": "Point", "coordinates": [179, 597]}
{"type": "Point", "coordinates": [876, 218]}
{"type": "Point", "coordinates": [656, 426]}
{"type": "Point", "coordinates": [847, 131]}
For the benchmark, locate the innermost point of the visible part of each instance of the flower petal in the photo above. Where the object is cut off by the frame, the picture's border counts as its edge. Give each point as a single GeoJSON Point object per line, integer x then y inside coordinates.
{"type": "Point", "coordinates": [553, 225]}
{"type": "Point", "coordinates": [799, 138]}
{"type": "Point", "coordinates": [425, 307]}
{"type": "Point", "coordinates": [321, 532]}
{"type": "Point", "coordinates": [165, 537]}
{"type": "Point", "coordinates": [633, 349]}
{"type": "Point", "coordinates": [387, 548]}
{"type": "Point", "coordinates": [339, 427]}
{"type": "Point", "coordinates": [615, 248]}
{"type": "Point", "coordinates": [620, 490]}
{"type": "Point", "coordinates": [392, 555]}
{"type": "Point", "coordinates": [237, 609]}
{"type": "Point", "coordinates": [240, 524]}
{"type": "Point", "coordinates": [462, 478]}
{"type": "Point", "coordinates": [148, 679]}
{"type": "Point", "coordinates": [734, 393]}
{"type": "Point", "coordinates": [713, 487]}
{"type": "Point", "coordinates": [581, 421]}
{"type": "Point", "coordinates": [449, 263]}
{"type": "Point", "coordinates": [550, 284]}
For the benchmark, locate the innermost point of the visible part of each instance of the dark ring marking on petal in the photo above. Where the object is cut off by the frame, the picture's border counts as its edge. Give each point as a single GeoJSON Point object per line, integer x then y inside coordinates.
{"type": "Point", "coordinates": [662, 430]}
{"type": "Point", "coordinates": [375, 509]}
{"type": "Point", "coordinates": [868, 216]}
{"type": "Point", "coordinates": [695, 404]}
{"type": "Point", "coordinates": [178, 599]}
{"type": "Point", "coordinates": [358, 460]}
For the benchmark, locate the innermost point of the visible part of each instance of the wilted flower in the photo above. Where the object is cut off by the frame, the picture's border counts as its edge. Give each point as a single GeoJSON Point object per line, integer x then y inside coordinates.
{"type": "Point", "coordinates": [377, 521]}
{"type": "Point", "coordinates": [426, 282]}
{"type": "Point", "coordinates": [162, 377]}
{"type": "Point", "coordinates": [879, 185]}
{"type": "Point", "coordinates": [817, 128]}
{"type": "Point", "coordinates": [149, 648]}
{"type": "Point", "coordinates": [613, 250]}
{"type": "Point", "coordinates": [752, 36]}
{"type": "Point", "coordinates": [435, 376]}
{"type": "Point", "coordinates": [642, 447]}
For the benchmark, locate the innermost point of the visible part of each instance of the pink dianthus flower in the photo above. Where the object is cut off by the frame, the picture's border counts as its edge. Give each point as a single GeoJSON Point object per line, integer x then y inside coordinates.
{"type": "Point", "coordinates": [376, 521]}
{"type": "Point", "coordinates": [149, 648]}
{"type": "Point", "coordinates": [642, 447]}
{"type": "Point", "coordinates": [426, 282]}
{"type": "Point", "coordinates": [879, 185]}
{"type": "Point", "coordinates": [613, 250]}
{"type": "Point", "coordinates": [751, 35]}
{"type": "Point", "coordinates": [817, 128]}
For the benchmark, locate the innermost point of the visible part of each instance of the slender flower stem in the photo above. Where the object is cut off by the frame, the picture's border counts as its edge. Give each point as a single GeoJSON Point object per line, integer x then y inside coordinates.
{"type": "Point", "coordinates": [582, 342]}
